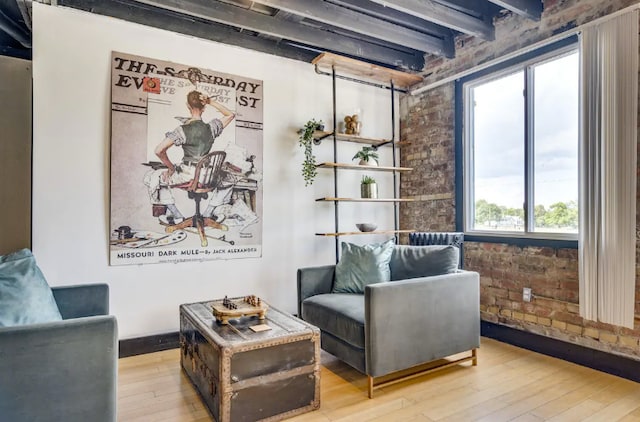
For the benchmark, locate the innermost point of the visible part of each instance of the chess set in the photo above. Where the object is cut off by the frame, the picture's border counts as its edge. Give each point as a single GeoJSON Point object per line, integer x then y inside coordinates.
{"type": "Point", "coordinates": [230, 308]}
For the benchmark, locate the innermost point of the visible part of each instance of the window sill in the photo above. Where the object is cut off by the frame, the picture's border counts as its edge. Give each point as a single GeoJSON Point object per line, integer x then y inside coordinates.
{"type": "Point", "coordinates": [521, 240]}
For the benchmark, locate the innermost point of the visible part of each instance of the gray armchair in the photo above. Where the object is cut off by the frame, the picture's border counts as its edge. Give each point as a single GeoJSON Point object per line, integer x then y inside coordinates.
{"type": "Point", "coordinates": [64, 370]}
{"type": "Point", "coordinates": [394, 325]}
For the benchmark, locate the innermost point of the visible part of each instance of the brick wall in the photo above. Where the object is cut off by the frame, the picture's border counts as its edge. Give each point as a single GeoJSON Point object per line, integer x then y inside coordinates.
{"type": "Point", "coordinates": [427, 122]}
{"type": "Point", "coordinates": [428, 127]}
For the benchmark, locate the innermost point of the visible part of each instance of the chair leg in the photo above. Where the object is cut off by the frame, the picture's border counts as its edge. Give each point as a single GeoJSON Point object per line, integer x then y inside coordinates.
{"type": "Point", "coordinates": [188, 222]}
{"type": "Point", "coordinates": [198, 222]}
{"type": "Point", "coordinates": [449, 363]}
{"type": "Point", "coordinates": [203, 237]}
{"type": "Point", "coordinates": [209, 222]}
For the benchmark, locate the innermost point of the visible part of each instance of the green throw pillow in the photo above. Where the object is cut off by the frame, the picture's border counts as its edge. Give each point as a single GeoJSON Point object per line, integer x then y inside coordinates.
{"type": "Point", "coordinates": [25, 296]}
{"type": "Point", "coordinates": [423, 261]}
{"type": "Point", "coordinates": [362, 265]}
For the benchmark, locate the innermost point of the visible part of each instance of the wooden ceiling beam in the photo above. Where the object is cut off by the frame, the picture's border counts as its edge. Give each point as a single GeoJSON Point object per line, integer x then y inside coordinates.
{"type": "Point", "coordinates": [440, 14]}
{"type": "Point", "coordinates": [154, 17]}
{"type": "Point", "coordinates": [470, 7]}
{"type": "Point", "coordinates": [223, 13]}
{"type": "Point", "coordinates": [530, 9]}
{"type": "Point", "coordinates": [360, 23]}
{"type": "Point", "coordinates": [391, 15]}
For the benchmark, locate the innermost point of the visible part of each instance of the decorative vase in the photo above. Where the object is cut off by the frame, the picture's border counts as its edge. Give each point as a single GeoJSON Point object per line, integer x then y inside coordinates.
{"type": "Point", "coordinates": [369, 190]}
{"type": "Point", "coordinates": [371, 162]}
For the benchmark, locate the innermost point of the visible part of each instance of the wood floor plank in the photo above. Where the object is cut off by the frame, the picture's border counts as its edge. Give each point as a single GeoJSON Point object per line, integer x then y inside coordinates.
{"type": "Point", "coordinates": [618, 409]}
{"type": "Point", "coordinates": [527, 417]}
{"type": "Point", "coordinates": [630, 418]}
{"type": "Point", "coordinates": [579, 412]}
{"type": "Point", "coordinates": [509, 383]}
{"type": "Point", "coordinates": [519, 387]}
{"type": "Point", "coordinates": [364, 411]}
{"type": "Point", "coordinates": [545, 391]}
{"type": "Point", "coordinates": [596, 384]}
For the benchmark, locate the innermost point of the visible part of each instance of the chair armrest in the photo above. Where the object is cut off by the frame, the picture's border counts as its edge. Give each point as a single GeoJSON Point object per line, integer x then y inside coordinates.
{"type": "Point", "coordinates": [410, 322]}
{"type": "Point", "coordinates": [314, 281]}
{"type": "Point", "coordinates": [82, 300]}
{"type": "Point", "coordinates": [64, 370]}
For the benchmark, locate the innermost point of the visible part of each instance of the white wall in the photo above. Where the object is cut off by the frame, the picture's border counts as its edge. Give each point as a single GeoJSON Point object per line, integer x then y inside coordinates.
{"type": "Point", "coordinates": [71, 76]}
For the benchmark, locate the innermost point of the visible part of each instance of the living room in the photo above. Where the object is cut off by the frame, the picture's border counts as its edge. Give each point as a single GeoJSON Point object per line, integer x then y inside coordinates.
{"type": "Point", "coordinates": [72, 195]}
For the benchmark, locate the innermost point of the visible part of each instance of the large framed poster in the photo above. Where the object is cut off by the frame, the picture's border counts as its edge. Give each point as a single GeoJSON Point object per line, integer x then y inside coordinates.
{"type": "Point", "coordinates": [186, 163]}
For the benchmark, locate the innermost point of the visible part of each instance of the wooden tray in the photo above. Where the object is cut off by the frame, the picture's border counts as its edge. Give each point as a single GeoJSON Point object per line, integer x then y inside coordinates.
{"type": "Point", "coordinates": [223, 314]}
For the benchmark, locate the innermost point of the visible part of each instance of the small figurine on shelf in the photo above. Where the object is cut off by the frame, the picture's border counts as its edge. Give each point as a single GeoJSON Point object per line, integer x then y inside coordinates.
{"type": "Point", "coordinates": [352, 125]}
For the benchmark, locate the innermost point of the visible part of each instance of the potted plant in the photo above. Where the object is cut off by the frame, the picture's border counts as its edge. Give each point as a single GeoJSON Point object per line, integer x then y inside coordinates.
{"type": "Point", "coordinates": [368, 187]}
{"type": "Point", "coordinates": [309, 169]}
{"type": "Point", "coordinates": [368, 156]}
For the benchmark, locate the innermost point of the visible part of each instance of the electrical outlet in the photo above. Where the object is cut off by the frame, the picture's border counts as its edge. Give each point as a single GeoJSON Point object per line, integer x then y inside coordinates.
{"type": "Point", "coordinates": [526, 294]}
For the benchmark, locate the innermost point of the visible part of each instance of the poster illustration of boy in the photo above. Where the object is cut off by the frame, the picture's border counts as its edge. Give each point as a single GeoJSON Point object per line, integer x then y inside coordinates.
{"type": "Point", "coordinates": [165, 117]}
{"type": "Point", "coordinates": [196, 138]}
{"type": "Point", "coordinates": [180, 150]}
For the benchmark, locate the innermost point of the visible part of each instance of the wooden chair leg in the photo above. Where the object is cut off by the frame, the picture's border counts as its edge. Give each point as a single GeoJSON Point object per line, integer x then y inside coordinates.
{"type": "Point", "coordinates": [188, 222]}
{"type": "Point", "coordinates": [209, 222]}
{"type": "Point", "coordinates": [370, 386]}
{"type": "Point", "coordinates": [474, 355]}
{"type": "Point", "coordinates": [203, 237]}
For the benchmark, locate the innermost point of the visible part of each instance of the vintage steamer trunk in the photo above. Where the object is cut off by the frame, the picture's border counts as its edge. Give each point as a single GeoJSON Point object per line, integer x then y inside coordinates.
{"type": "Point", "coordinates": [244, 375]}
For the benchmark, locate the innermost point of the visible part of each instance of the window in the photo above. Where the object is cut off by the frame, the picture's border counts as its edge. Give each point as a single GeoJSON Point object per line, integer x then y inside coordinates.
{"type": "Point", "coordinates": [520, 147]}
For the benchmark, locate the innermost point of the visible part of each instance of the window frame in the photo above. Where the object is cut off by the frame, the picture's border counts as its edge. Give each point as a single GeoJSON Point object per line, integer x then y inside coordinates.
{"type": "Point", "coordinates": [463, 128]}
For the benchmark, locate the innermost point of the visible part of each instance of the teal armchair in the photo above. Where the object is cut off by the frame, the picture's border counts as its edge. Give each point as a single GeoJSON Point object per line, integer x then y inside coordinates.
{"type": "Point", "coordinates": [392, 326]}
{"type": "Point", "coordinates": [63, 370]}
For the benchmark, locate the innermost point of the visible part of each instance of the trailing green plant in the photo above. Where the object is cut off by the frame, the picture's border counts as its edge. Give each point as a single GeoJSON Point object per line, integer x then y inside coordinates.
{"type": "Point", "coordinates": [366, 154]}
{"type": "Point", "coordinates": [309, 169]}
{"type": "Point", "coordinates": [368, 180]}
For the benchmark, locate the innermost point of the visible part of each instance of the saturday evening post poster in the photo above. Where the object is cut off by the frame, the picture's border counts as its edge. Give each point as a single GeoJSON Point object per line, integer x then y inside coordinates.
{"type": "Point", "coordinates": [164, 118]}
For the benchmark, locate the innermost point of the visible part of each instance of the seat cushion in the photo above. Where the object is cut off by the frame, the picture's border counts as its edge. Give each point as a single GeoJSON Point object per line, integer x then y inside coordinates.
{"type": "Point", "coordinates": [25, 296]}
{"type": "Point", "coordinates": [362, 265]}
{"type": "Point", "coordinates": [423, 261]}
{"type": "Point", "coordinates": [339, 314]}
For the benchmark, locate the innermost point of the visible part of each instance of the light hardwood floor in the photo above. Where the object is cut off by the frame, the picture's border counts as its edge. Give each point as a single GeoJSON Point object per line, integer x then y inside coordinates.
{"type": "Point", "coordinates": [509, 384]}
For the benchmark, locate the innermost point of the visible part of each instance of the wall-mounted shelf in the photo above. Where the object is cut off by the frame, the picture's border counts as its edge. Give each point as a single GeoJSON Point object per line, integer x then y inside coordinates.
{"type": "Point", "coordinates": [329, 199]}
{"type": "Point", "coordinates": [319, 135]}
{"type": "Point", "coordinates": [367, 71]}
{"type": "Point", "coordinates": [360, 167]}
{"type": "Point", "coordinates": [373, 232]}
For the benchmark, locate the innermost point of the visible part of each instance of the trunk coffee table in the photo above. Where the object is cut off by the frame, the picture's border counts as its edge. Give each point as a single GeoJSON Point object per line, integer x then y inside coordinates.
{"type": "Point", "coordinates": [244, 375]}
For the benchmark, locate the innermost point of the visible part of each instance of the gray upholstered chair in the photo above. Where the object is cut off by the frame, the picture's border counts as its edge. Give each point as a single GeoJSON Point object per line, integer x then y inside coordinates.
{"type": "Point", "coordinates": [63, 370]}
{"type": "Point", "coordinates": [396, 325]}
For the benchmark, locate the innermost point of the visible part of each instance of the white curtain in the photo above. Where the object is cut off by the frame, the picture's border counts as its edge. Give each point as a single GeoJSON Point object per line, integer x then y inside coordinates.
{"type": "Point", "coordinates": [607, 246]}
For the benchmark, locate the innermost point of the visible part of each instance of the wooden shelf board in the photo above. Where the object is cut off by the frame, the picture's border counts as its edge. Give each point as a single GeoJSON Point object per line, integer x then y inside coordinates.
{"type": "Point", "coordinates": [359, 167]}
{"type": "Point", "coordinates": [366, 71]}
{"type": "Point", "coordinates": [321, 134]}
{"type": "Point", "coordinates": [365, 199]}
{"type": "Point", "coordinates": [373, 232]}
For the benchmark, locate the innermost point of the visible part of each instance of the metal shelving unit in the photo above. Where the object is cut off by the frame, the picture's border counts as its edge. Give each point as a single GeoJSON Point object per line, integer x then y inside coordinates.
{"type": "Point", "coordinates": [368, 74]}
